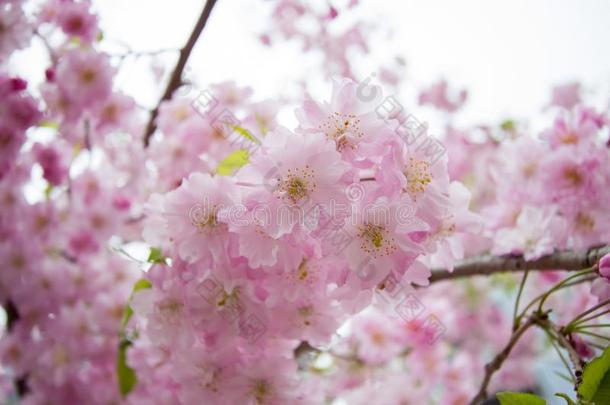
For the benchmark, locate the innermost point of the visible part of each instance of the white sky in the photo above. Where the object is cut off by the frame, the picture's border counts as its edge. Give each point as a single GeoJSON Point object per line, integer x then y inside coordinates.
{"type": "Point", "coordinates": [508, 54]}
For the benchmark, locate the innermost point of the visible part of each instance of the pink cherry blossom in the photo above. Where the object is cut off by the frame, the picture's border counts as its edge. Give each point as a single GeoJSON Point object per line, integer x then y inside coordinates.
{"type": "Point", "coordinates": [85, 77]}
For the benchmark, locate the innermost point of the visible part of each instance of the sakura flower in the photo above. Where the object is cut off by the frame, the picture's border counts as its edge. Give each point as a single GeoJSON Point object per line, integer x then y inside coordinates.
{"type": "Point", "coordinates": [571, 177]}
{"type": "Point", "coordinates": [537, 232]}
{"type": "Point", "coordinates": [115, 113]}
{"type": "Point", "coordinates": [15, 28]}
{"type": "Point", "coordinates": [10, 142]}
{"type": "Point", "coordinates": [346, 119]}
{"type": "Point", "coordinates": [456, 223]}
{"type": "Point", "coordinates": [85, 77]}
{"type": "Point", "coordinates": [19, 110]}
{"type": "Point", "coordinates": [229, 95]}
{"type": "Point", "coordinates": [601, 289]}
{"type": "Point", "coordinates": [384, 238]}
{"type": "Point", "coordinates": [522, 164]}
{"type": "Point", "coordinates": [566, 95]}
{"type": "Point", "coordinates": [410, 171]}
{"type": "Point", "coordinates": [437, 96]}
{"type": "Point", "coordinates": [378, 339]}
{"type": "Point", "coordinates": [75, 19]}
{"type": "Point", "coordinates": [312, 318]}
{"type": "Point", "coordinates": [175, 112]}
{"type": "Point", "coordinates": [268, 382]}
{"type": "Point", "coordinates": [307, 174]}
{"type": "Point", "coordinates": [587, 225]}
{"type": "Point", "coordinates": [576, 127]}
{"type": "Point", "coordinates": [204, 375]}
{"type": "Point", "coordinates": [190, 217]}
{"type": "Point", "coordinates": [52, 163]}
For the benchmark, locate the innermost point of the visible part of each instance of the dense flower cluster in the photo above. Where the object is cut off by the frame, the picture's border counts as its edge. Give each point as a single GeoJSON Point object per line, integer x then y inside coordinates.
{"type": "Point", "coordinates": [543, 193]}
{"type": "Point", "coordinates": [291, 245]}
{"type": "Point", "coordinates": [63, 287]}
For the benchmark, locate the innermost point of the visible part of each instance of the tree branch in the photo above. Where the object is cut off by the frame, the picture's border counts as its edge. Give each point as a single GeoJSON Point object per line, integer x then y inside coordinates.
{"type": "Point", "coordinates": [496, 363]}
{"type": "Point", "coordinates": [175, 80]}
{"type": "Point", "coordinates": [12, 317]}
{"type": "Point", "coordinates": [487, 265]}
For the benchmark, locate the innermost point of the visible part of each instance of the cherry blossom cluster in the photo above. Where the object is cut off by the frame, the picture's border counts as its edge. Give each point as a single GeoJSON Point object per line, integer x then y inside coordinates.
{"type": "Point", "coordinates": [513, 180]}
{"type": "Point", "coordinates": [393, 359]}
{"type": "Point", "coordinates": [66, 190]}
{"type": "Point", "coordinates": [281, 265]}
{"type": "Point", "coordinates": [288, 247]}
{"type": "Point", "coordinates": [309, 23]}
{"type": "Point", "coordinates": [547, 192]}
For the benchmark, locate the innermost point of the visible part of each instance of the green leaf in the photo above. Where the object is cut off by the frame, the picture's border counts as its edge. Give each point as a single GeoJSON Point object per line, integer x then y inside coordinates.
{"type": "Point", "coordinates": [141, 284]}
{"type": "Point", "coordinates": [595, 385]}
{"type": "Point", "coordinates": [156, 256]}
{"type": "Point", "coordinates": [245, 133]}
{"type": "Point", "coordinates": [49, 124]}
{"type": "Point", "coordinates": [508, 125]}
{"type": "Point", "coordinates": [602, 396]}
{"type": "Point", "coordinates": [47, 191]}
{"type": "Point", "coordinates": [100, 36]}
{"type": "Point", "coordinates": [519, 398]}
{"type": "Point", "coordinates": [566, 398]}
{"type": "Point", "coordinates": [233, 162]}
{"type": "Point", "coordinates": [126, 375]}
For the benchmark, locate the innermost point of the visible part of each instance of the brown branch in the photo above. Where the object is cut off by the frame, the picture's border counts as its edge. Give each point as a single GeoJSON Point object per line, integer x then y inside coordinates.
{"type": "Point", "coordinates": [12, 317]}
{"type": "Point", "coordinates": [175, 80]}
{"type": "Point", "coordinates": [565, 340]}
{"type": "Point", "coordinates": [496, 363]}
{"type": "Point", "coordinates": [487, 265]}
{"type": "Point", "coordinates": [48, 47]}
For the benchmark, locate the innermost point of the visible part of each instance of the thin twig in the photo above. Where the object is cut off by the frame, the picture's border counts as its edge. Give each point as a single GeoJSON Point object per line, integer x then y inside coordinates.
{"type": "Point", "coordinates": [589, 318]}
{"type": "Point", "coordinates": [516, 310]}
{"type": "Point", "coordinates": [175, 80]}
{"type": "Point", "coordinates": [588, 311]}
{"type": "Point", "coordinates": [565, 342]}
{"type": "Point", "coordinates": [12, 317]}
{"type": "Point", "coordinates": [496, 363]}
{"type": "Point", "coordinates": [48, 47]}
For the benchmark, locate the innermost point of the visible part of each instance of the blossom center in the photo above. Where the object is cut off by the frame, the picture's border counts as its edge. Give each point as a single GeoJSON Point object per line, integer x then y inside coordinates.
{"type": "Point", "coordinates": [529, 170]}
{"type": "Point", "coordinates": [375, 240]}
{"type": "Point", "coordinates": [573, 176]}
{"type": "Point", "coordinates": [585, 221]}
{"type": "Point", "coordinates": [75, 24]}
{"type": "Point", "coordinates": [88, 76]}
{"type": "Point", "coordinates": [206, 221]}
{"type": "Point", "coordinates": [170, 309]}
{"type": "Point", "coordinates": [337, 127]}
{"type": "Point", "coordinates": [569, 139]}
{"type": "Point", "coordinates": [378, 338]}
{"type": "Point", "coordinates": [302, 272]}
{"type": "Point", "coordinates": [297, 184]}
{"type": "Point", "coordinates": [417, 173]}
{"type": "Point", "coordinates": [262, 389]}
